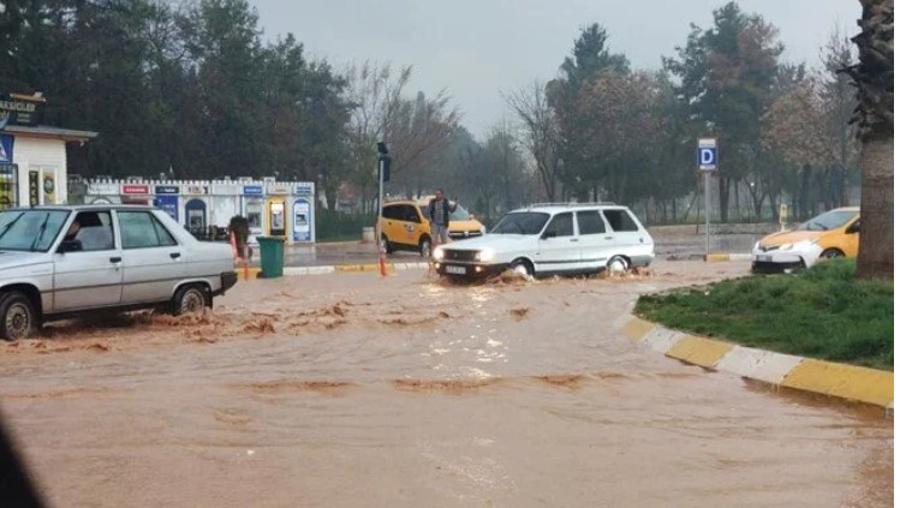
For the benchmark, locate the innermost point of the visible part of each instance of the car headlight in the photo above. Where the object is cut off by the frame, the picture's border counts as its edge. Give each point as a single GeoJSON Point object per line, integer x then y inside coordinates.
{"type": "Point", "coordinates": [756, 246]}
{"type": "Point", "coordinates": [438, 253]}
{"type": "Point", "coordinates": [802, 245]}
{"type": "Point", "coordinates": [485, 254]}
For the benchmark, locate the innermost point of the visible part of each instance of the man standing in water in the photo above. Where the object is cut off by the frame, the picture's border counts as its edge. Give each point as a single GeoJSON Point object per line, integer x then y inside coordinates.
{"type": "Point", "coordinates": [439, 210]}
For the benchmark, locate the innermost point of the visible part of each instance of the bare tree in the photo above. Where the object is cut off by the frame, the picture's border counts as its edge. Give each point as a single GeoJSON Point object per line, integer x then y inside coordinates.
{"type": "Point", "coordinates": [375, 93]}
{"type": "Point", "coordinates": [839, 101]}
{"type": "Point", "coordinates": [415, 129]}
{"type": "Point", "coordinates": [416, 133]}
{"type": "Point", "coordinates": [540, 135]}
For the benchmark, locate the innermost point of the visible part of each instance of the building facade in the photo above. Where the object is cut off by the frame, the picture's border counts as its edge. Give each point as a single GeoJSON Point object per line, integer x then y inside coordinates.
{"type": "Point", "coordinates": [272, 208]}
{"type": "Point", "coordinates": [33, 167]}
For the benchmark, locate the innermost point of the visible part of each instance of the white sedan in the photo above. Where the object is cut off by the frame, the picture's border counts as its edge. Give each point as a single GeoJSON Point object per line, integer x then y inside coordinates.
{"type": "Point", "coordinates": [62, 261]}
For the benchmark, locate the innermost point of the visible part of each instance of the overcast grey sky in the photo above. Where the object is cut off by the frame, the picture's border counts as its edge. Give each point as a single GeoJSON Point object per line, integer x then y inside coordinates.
{"type": "Point", "coordinates": [478, 48]}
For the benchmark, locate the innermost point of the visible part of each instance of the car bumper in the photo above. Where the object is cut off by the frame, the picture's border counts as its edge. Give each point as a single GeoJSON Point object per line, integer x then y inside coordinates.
{"type": "Point", "coordinates": [469, 270]}
{"type": "Point", "coordinates": [781, 260]}
{"type": "Point", "coordinates": [229, 279]}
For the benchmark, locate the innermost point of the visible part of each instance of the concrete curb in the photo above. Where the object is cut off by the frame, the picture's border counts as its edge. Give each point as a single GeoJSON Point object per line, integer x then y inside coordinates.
{"type": "Point", "coordinates": [849, 382]}
{"type": "Point", "coordinates": [293, 271]}
{"type": "Point", "coordinates": [727, 256]}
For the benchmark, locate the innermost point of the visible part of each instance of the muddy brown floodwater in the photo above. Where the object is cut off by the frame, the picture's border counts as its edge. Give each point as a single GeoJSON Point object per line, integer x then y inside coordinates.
{"type": "Point", "coordinates": [346, 390]}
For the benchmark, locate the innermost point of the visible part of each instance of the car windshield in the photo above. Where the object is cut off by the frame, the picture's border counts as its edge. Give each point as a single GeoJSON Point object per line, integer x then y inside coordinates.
{"type": "Point", "coordinates": [521, 223]}
{"type": "Point", "coordinates": [460, 213]}
{"type": "Point", "coordinates": [828, 220]}
{"type": "Point", "coordinates": [30, 230]}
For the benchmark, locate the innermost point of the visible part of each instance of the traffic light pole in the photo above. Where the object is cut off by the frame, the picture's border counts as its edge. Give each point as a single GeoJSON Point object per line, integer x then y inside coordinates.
{"type": "Point", "coordinates": [381, 248]}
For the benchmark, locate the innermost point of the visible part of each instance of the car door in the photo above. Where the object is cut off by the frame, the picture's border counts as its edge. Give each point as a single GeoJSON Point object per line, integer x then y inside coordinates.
{"type": "Point", "coordinates": [413, 225]}
{"type": "Point", "coordinates": [390, 215]}
{"type": "Point", "coordinates": [151, 258]}
{"type": "Point", "coordinates": [87, 268]}
{"type": "Point", "coordinates": [594, 239]}
{"type": "Point", "coordinates": [558, 248]}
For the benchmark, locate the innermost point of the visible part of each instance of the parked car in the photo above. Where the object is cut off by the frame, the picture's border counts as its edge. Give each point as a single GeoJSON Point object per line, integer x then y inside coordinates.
{"type": "Point", "coordinates": [831, 235]}
{"type": "Point", "coordinates": [552, 238]}
{"type": "Point", "coordinates": [405, 226]}
{"type": "Point", "coordinates": [61, 261]}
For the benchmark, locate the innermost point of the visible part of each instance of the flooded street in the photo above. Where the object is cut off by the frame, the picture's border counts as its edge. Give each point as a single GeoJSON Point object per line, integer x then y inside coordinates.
{"type": "Point", "coordinates": [347, 390]}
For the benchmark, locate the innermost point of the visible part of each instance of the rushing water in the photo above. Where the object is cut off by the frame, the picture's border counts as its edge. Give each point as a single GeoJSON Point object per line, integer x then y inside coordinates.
{"type": "Point", "coordinates": [347, 390]}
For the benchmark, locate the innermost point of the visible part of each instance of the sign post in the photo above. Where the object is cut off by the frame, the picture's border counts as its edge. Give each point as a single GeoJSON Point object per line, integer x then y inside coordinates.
{"type": "Point", "coordinates": [384, 168]}
{"type": "Point", "coordinates": [707, 162]}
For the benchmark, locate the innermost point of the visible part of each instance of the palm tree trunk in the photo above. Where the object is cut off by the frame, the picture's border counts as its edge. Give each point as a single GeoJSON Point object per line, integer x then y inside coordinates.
{"type": "Point", "coordinates": [876, 236]}
{"type": "Point", "coordinates": [873, 77]}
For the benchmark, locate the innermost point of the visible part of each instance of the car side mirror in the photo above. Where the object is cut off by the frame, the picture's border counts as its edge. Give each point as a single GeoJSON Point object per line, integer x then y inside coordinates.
{"type": "Point", "coordinates": [69, 246]}
{"type": "Point", "coordinates": [853, 228]}
{"type": "Point", "coordinates": [548, 234]}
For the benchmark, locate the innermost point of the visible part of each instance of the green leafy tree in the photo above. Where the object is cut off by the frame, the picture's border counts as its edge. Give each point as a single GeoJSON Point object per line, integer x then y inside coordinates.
{"type": "Point", "coordinates": [726, 74]}
{"type": "Point", "coordinates": [590, 58]}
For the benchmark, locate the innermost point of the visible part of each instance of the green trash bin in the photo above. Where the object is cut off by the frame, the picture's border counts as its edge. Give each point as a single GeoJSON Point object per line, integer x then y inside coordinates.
{"type": "Point", "coordinates": [271, 256]}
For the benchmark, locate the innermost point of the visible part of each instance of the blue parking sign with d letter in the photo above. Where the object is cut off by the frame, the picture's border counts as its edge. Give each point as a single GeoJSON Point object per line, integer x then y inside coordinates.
{"type": "Point", "coordinates": [707, 154]}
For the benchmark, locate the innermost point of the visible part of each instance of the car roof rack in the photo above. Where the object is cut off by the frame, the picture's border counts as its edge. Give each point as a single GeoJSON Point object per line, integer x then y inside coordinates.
{"type": "Point", "coordinates": [599, 203]}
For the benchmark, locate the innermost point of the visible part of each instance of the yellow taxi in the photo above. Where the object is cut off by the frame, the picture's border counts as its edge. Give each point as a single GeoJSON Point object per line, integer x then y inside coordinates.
{"type": "Point", "coordinates": [405, 226]}
{"type": "Point", "coordinates": [831, 235]}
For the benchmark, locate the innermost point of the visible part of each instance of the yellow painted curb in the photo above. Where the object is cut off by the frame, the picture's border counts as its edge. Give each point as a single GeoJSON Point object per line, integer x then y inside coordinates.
{"type": "Point", "coordinates": [636, 329]}
{"type": "Point", "coordinates": [252, 272]}
{"type": "Point", "coordinates": [712, 258]}
{"type": "Point", "coordinates": [846, 381]}
{"type": "Point", "coordinates": [699, 351]}
{"type": "Point", "coordinates": [368, 267]}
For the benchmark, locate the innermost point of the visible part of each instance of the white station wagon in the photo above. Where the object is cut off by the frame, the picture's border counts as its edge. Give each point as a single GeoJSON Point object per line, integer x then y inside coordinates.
{"type": "Point", "coordinates": [552, 238]}
{"type": "Point", "coordinates": [60, 261]}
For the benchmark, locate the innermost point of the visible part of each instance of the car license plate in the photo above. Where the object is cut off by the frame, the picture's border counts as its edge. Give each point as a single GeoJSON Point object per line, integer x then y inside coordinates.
{"type": "Point", "coordinates": [765, 259]}
{"type": "Point", "coordinates": [455, 270]}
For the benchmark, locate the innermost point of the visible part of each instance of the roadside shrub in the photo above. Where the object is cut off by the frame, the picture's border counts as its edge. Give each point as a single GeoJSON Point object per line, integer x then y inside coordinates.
{"type": "Point", "coordinates": [332, 225]}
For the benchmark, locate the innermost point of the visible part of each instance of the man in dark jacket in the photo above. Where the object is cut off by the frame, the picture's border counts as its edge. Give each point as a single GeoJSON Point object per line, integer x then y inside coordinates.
{"type": "Point", "coordinates": [439, 210]}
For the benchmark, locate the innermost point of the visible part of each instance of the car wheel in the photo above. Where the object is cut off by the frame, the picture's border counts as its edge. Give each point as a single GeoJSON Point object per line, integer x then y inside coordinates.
{"type": "Point", "coordinates": [831, 254]}
{"type": "Point", "coordinates": [18, 319]}
{"type": "Point", "coordinates": [386, 246]}
{"type": "Point", "coordinates": [425, 248]}
{"type": "Point", "coordinates": [522, 267]}
{"type": "Point", "coordinates": [190, 299]}
{"type": "Point", "coordinates": [617, 264]}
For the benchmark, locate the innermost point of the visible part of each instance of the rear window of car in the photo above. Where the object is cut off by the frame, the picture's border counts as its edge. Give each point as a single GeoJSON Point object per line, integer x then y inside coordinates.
{"type": "Point", "coordinates": [619, 220]}
{"type": "Point", "coordinates": [140, 230]}
{"type": "Point", "coordinates": [590, 223]}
